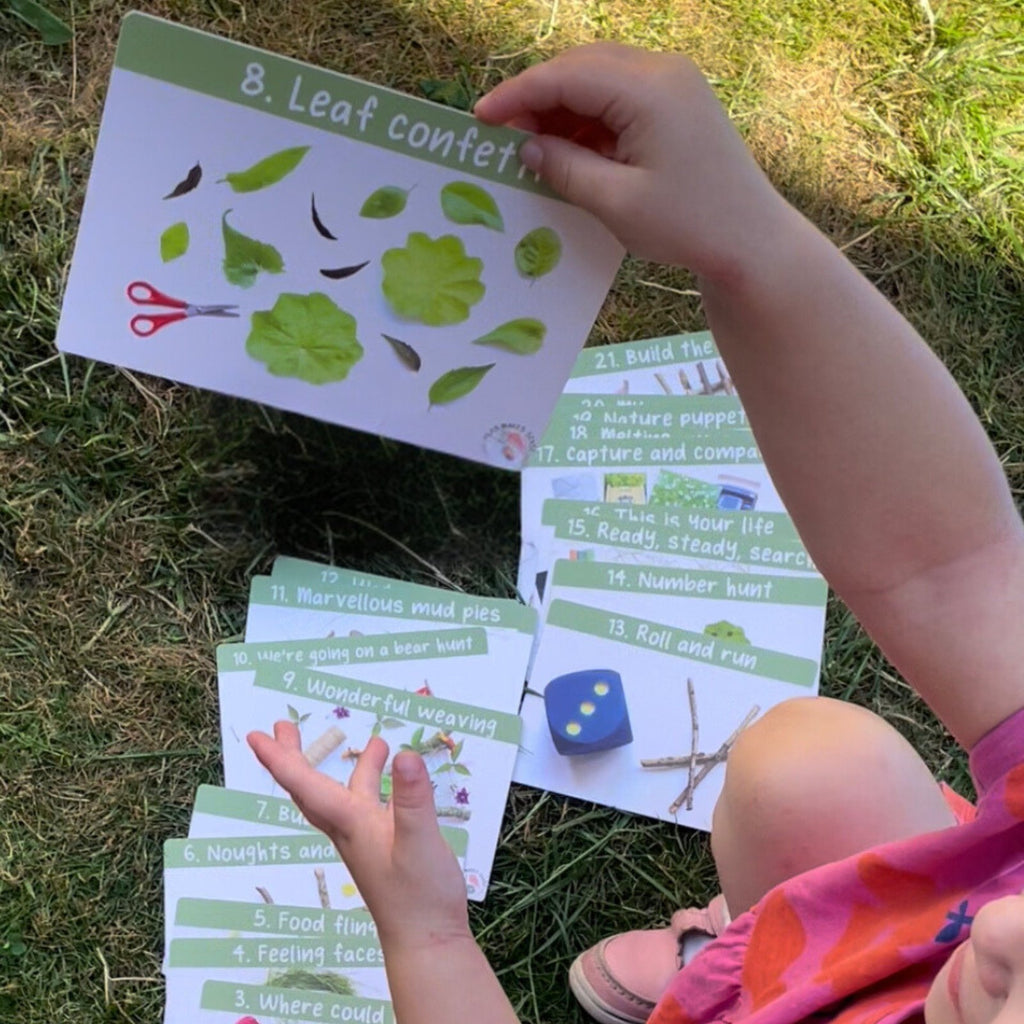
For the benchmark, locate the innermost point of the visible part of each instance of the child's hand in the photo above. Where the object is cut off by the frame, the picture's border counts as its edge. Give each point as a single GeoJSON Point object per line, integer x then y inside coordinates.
{"type": "Point", "coordinates": [640, 140]}
{"type": "Point", "coordinates": [401, 865]}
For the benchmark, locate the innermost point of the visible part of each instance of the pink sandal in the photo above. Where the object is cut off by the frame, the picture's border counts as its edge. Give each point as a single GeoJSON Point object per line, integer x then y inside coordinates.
{"type": "Point", "coordinates": [620, 980]}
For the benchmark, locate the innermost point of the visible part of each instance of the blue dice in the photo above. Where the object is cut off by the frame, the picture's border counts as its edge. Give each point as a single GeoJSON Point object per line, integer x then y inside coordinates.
{"type": "Point", "coordinates": [587, 712]}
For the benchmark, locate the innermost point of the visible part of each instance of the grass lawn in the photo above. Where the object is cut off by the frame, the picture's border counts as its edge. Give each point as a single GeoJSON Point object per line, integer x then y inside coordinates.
{"type": "Point", "coordinates": [133, 512]}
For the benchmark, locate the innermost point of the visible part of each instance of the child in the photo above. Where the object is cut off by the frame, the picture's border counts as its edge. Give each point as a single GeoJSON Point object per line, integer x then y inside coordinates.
{"type": "Point", "coordinates": [859, 893]}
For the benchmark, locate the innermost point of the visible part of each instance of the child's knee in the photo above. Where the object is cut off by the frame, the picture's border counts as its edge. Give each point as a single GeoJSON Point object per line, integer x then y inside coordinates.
{"type": "Point", "coordinates": [792, 739]}
{"type": "Point", "coordinates": [813, 760]}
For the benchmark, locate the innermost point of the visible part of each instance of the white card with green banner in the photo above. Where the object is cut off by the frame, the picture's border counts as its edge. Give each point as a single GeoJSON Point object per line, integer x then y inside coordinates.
{"type": "Point", "coordinates": [269, 944]}
{"type": "Point", "coordinates": [469, 750]}
{"type": "Point", "coordinates": [643, 450]}
{"type": "Point", "coordinates": [220, 813]}
{"type": "Point", "coordinates": [228, 815]}
{"type": "Point", "coordinates": [349, 965]}
{"type": "Point", "coordinates": [682, 538]}
{"type": "Point", "coordinates": [302, 869]}
{"type": "Point", "coordinates": [264, 872]}
{"type": "Point", "coordinates": [328, 246]}
{"type": "Point", "coordinates": [779, 613]}
{"type": "Point", "coordinates": [607, 716]}
{"type": "Point", "coordinates": [287, 1005]}
{"type": "Point", "coordinates": [454, 664]}
{"type": "Point", "coordinates": [680, 364]}
{"type": "Point", "coordinates": [284, 608]}
{"type": "Point", "coordinates": [210, 993]}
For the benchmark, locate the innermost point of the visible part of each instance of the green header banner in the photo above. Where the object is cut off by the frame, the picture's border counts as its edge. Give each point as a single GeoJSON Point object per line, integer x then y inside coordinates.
{"type": "Point", "coordinates": [680, 643]}
{"type": "Point", "coordinates": [446, 643]}
{"type": "Point", "coordinates": [383, 700]}
{"type": "Point", "coordinates": [334, 103]}
{"type": "Point", "coordinates": [408, 601]}
{"type": "Point", "coordinates": [650, 353]}
{"type": "Point", "coordinates": [728, 586]}
{"type": "Point", "coordinates": [766, 540]}
{"type": "Point", "coordinates": [275, 919]}
{"type": "Point", "coordinates": [275, 952]}
{"type": "Point", "coordinates": [294, 1004]}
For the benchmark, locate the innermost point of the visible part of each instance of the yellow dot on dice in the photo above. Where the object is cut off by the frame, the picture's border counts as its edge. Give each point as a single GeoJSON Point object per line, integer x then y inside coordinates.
{"type": "Point", "coordinates": [588, 707]}
{"type": "Point", "coordinates": [601, 689]}
{"type": "Point", "coordinates": [573, 728]}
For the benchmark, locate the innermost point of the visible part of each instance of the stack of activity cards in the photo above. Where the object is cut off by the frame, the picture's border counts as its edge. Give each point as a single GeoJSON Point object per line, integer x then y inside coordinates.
{"type": "Point", "coordinates": [678, 602]}
{"type": "Point", "coordinates": [262, 919]}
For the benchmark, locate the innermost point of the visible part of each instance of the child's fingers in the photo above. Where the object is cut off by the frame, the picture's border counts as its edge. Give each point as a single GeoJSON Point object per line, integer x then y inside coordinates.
{"type": "Point", "coordinates": [365, 780]}
{"type": "Point", "coordinates": [579, 174]}
{"type": "Point", "coordinates": [287, 734]}
{"type": "Point", "coordinates": [412, 799]}
{"type": "Point", "coordinates": [579, 82]}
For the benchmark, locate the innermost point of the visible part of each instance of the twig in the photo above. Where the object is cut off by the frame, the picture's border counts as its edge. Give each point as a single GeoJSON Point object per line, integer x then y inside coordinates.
{"type": "Point", "coordinates": [674, 762]}
{"type": "Point", "coordinates": [666, 288]}
{"type": "Point", "coordinates": [264, 894]}
{"type": "Point", "coordinates": [726, 379]}
{"type": "Point", "coordinates": [459, 813]}
{"type": "Point", "coordinates": [694, 736]}
{"type": "Point", "coordinates": [664, 385]}
{"type": "Point", "coordinates": [321, 888]}
{"type": "Point", "coordinates": [716, 759]}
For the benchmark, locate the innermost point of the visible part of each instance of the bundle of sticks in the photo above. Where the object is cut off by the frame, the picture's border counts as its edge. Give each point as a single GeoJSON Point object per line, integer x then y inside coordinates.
{"type": "Point", "coordinates": [699, 765]}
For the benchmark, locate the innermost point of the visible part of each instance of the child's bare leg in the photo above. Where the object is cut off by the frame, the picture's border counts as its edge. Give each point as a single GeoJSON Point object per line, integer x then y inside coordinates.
{"type": "Point", "coordinates": [813, 781]}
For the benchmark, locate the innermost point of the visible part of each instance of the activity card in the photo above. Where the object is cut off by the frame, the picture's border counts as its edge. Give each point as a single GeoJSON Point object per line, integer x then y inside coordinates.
{"type": "Point", "coordinates": [645, 450]}
{"type": "Point", "coordinates": [664, 536]}
{"type": "Point", "coordinates": [285, 608]}
{"type": "Point", "coordinates": [778, 613]}
{"type": "Point", "coordinates": [638, 714]}
{"type": "Point", "coordinates": [220, 813]}
{"type": "Point", "coordinates": [469, 750]}
{"type": "Point", "coordinates": [328, 246]}
{"type": "Point", "coordinates": [455, 664]}
{"type": "Point", "coordinates": [681, 364]}
{"type": "Point", "coordinates": [295, 871]}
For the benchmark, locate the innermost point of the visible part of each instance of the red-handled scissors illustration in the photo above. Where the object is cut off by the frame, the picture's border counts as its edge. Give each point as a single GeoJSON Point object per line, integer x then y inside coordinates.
{"type": "Point", "coordinates": [146, 324]}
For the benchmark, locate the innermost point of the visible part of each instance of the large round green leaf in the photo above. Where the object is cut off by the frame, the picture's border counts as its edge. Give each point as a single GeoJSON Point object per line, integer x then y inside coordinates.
{"type": "Point", "coordinates": [432, 280]}
{"type": "Point", "coordinates": [305, 336]}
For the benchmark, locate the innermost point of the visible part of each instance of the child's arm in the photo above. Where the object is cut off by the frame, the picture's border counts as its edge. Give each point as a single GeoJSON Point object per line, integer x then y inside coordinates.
{"type": "Point", "coordinates": [880, 460]}
{"type": "Point", "coordinates": [404, 871]}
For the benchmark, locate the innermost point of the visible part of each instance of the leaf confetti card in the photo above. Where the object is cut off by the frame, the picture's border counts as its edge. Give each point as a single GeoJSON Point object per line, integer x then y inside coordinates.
{"type": "Point", "coordinates": [388, 263]}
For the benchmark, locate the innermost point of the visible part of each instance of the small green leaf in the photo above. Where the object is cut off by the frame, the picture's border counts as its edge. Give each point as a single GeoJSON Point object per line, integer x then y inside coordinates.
{"type": "Point", "coordinates": [461, 769]}
{"type": "Point", "coordinates": [49, 26]}
{"type": "Point", "coordinates": [304, 717]}
{"type": "Point", "coordinates": [375, 731]}
{"type": "Point", "coordinates": [465, 203]}
{"type": "Point", "coordinates": [451, 94]}
{"type": "Point", "coordinates": [392, 723]}
{"type": "Point", "coordinates": [432, 280]}
{"type": "Point", "coordinates": [538, 253]}
{"type": "Point", "coordinates": [174, 242]}
{"type": "Point", "coordinates": [524, 336]}
{"type": "Point", "coordinates": [456, 383]}
{"type": "Point", "coordinates": [388, 201]}
{"type": "Point", "coordinates": [417, 737]}
{"type": "Point", "coordinates": [442, 768]}
{"type": "Point", "coordinates": [305, 336]}
{"type": "Point", "coordinates": [268, 171]}
{"type": "Point", "coordinates": [293, 714]}
{"type": "Point", "coordinates": [245, 257]}
{"type": "Point", "coordinates": [458, 750]}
